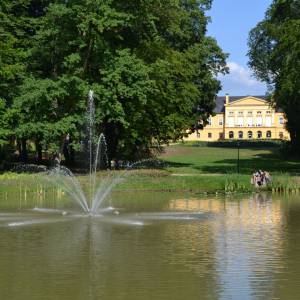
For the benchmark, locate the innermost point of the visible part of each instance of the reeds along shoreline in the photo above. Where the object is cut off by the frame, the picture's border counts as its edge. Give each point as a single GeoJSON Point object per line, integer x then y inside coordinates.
{"type": "Point", "coordinates": [162, 181]}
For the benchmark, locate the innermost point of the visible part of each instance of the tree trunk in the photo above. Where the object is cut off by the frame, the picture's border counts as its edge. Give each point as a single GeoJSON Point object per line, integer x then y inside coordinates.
{"type": "Point", "coordinates": [66, 149]}
{"type": "Point", "coordinates": [66, 154]}
{"type": "Point", "coordinates": [39, 151]}
{"type": "Point", "coordinates": [112, 138]}
{"type": "Point", "coordinates": [19, 148]}
{"type": "Point", "coordinates": [24, 154]}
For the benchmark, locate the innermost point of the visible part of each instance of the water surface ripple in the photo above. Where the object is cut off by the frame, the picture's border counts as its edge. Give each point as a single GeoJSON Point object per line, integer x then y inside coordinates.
{"type": "Point", "coordinates": [151, 246]}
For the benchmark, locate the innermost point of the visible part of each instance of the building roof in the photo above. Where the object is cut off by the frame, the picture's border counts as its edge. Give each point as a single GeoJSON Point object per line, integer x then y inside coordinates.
{"type": "Point", "coordinates": [220, 101]}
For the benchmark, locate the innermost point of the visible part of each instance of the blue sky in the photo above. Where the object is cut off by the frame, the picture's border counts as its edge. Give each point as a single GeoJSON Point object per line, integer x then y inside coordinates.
{"type": "Point", "coordinates": [231, 23]}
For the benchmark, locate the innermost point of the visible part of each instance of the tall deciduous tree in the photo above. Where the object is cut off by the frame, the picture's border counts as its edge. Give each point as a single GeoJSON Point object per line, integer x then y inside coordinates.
{"type": "Point", "coordinates": [275, 58]}
{"type": "Point", "coordinates": [150, 64]}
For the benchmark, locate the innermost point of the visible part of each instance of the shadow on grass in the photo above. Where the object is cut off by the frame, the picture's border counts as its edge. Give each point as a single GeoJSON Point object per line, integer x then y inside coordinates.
{"type": "Point", "coordinates": [268, 162]}
{"type": "Point", "coordinates": [271, 162]}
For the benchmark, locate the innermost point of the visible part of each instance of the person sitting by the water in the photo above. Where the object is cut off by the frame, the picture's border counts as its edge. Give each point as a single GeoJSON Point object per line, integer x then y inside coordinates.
{"type": "Point", "coordinates": [256, 179]}
{"type": "Point", "coordinates": [260, 178]}
{"type": "Point", "coordinates": [263, 177]}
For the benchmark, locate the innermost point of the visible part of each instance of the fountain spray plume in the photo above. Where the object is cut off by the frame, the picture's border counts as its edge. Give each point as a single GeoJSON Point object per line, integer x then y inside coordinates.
{"type": "Point", "coordinates": [97, 157]}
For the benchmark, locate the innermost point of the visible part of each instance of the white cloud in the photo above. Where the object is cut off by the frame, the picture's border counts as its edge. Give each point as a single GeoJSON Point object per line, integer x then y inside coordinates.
{"type": "Point", "coordinates": [240, 81]}
{"type": "Point", "coordinates": [241, 74]}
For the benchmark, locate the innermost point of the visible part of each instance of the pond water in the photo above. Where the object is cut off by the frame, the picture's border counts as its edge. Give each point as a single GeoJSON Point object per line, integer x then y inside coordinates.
{"type": "Point", "coordinates": [150, 246]}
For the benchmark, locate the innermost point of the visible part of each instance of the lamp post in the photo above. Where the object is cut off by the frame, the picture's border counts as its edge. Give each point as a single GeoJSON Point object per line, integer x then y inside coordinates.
{"type": "Point", "coordinates": [238, 158]}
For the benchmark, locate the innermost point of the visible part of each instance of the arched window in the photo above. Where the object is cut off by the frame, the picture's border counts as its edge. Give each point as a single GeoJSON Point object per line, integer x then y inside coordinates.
{"type": "Point", "coordinates": [259, 134]}
{"type": "Point", "coordinates": [250, 134]}
{"type": "Point", "coordinates": [269, 134]}
{"type": "Point", "coordinates": [231, 134]}
{"type": "Point", "coordinates": [241, 134]}
{"type": "Point", "coordinates": [281, 135]}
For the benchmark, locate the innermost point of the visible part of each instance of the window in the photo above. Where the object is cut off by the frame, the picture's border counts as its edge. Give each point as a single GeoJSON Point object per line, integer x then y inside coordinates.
{"type": "Point", "coordinates": [259, 121]}
{"type": "Point", "coordinates": [221, 121]}
{"type": "Point", "coordinates": [198, 134]}
{"type": "Point", "coordinates": [259, 134]}
{"type": "Point", "coordinates": [231, 113]}
{"type": "Point", "coordinates": [268, 121]}
{"type": "Point", "coordinates": [209, 121]}
{"type": "Point", "coordinates": [240, 122]}
{"type": "Point", "coordinates": [268, 112]}
{"type": "Point", "coordinates": [281, 135]}
{"type": "Point", "coordinates": [281, 120]}
{"type": "Point", "coordinates": [221, 135]}
{"type": "Point", "coordinates": [241, 134]}
{"type": "Point", "coordinates": [231, 134]}
{"type": "Point", "coordinates": [259, 113]}
{"type": "Point", "coordinates": [250, 134]}
{"type": "Point", "coordinates": [249, 113]}
{"type": "Point", "coordinates": [250, 122]}
{"type": "Point", "coordinates": [240, 113]}
{"type": "Point", "coordinates": [209, 135]}
{"type": "Point", "coordinates": [269, 134]}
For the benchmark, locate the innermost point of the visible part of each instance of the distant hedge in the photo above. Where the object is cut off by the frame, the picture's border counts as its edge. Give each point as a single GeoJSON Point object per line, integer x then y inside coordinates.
{"type": "Point", "coordinates": [242, 144]}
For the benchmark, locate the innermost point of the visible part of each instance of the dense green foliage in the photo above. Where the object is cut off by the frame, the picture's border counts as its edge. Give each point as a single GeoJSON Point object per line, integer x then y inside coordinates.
{"type": "Point", "coordinates": [150, 64]}
{"type": "Point", "coordinates": [275, 58]}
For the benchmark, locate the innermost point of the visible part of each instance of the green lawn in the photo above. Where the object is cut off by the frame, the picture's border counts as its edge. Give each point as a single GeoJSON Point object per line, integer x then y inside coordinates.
{"type": "Point", "coordinates": [211, 169]}
{"type": "Point", "coordinates": [183, 159]}
{"type": "Point", "coordinates": [189, 168]}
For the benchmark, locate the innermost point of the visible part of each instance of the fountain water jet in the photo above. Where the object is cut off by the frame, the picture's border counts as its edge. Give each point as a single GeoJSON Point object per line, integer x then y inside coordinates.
{"type": "Point", "coordinates": [96, 154]}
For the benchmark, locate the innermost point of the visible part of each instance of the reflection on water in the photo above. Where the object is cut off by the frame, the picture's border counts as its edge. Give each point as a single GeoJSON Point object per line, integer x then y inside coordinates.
{"type": "Point", "coordinates": [150, 246]}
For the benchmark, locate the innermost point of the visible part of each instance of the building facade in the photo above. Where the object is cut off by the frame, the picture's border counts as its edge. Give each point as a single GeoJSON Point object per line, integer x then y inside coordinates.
{"type": "Point", "coordinates": [245, 118]}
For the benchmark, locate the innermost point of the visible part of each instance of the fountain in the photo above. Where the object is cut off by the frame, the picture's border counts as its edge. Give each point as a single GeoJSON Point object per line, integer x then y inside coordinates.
{"type": "Point", "coordinates": [64, 177]}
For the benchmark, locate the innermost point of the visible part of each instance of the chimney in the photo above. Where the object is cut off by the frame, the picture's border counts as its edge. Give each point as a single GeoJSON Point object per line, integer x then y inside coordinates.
{"type": "Point", "coordinates": [226, 99]}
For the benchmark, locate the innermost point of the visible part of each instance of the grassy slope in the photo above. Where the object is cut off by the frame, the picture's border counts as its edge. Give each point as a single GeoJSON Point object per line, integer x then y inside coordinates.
{"type": "Point", "coordinates": [212, 160]}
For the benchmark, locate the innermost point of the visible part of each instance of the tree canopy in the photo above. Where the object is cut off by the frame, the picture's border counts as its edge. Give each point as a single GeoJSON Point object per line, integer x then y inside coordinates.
{"type": "Point", "coordinates": [150, 64]}
{"type": "Point", "coordinates": [275, 58]}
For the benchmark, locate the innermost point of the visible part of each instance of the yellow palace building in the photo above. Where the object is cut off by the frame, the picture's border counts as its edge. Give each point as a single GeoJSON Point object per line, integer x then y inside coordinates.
{"type": "Point", "coordinates": [239, 117]}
